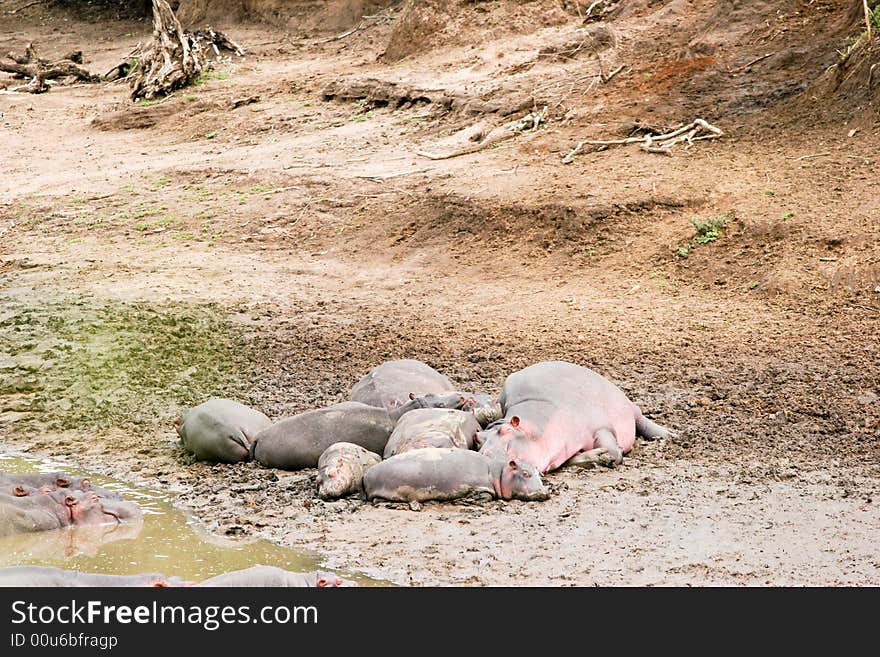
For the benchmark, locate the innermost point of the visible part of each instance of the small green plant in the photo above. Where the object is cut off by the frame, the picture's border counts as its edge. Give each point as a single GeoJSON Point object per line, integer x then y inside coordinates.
{"type": "Point", "coordinates": [204, 76]}
{"type": "Point", "coordinates": [211, 135]}
{"type": "Point", "coordinates": [163, 222]}
{"type": "Point", "coordinates": [148, 103]}
{"type": "Point", "coordinates": [769, 192]}
{"type": "Point", "coordinates": [710, 229]}
{"type": "Point", "coordinates": [787, 215]}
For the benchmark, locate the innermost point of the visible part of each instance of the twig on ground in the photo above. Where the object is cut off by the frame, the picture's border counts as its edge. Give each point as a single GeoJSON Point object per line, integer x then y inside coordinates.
{"type": "Point", "coordinates": [386, 176]}
{"type": "Point", "coordinates": [812, 155]}
{"type": "Point", "coordinates": [577, 150]}
{"type": "Point", "coordinates": [661, 144]}
{"type": "Point", "coordinates": [867, 18]}
{"type": "Point", "coordinates": [607, 78]}
{"type": "Point", "coordinates": [29, 4]}
{"type": "Point", "coordinates": [529, 123]}
{"type": "Point", "coordinates": [753, 62]}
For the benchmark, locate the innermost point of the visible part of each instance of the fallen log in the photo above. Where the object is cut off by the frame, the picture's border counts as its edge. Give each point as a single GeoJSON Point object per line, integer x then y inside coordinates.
{"type": "Point", "coordinates": [38, 70]}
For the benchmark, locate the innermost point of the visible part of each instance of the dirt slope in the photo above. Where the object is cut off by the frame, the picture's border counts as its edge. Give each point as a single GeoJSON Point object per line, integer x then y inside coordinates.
{"type": "Point", "coordinates": [304, 225]}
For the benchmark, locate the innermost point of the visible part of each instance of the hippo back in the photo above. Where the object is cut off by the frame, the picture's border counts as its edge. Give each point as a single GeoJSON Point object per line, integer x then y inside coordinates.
{"type": "Point", "coordinates": [270, 576]}
{"type": "Point", "coordinates": [390, 384]}
{"type": "Point", "coordinates": [432, 427]}
{"type": "Point", "coordinates": [430, 473]}
{"type": "Point", "coordinates": [299, 441]}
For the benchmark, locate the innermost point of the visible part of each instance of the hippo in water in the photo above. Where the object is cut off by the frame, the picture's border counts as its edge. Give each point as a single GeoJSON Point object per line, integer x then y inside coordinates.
{"type": "Point", "coordinates": [299, 441]}
{"type": "Point", "coordinates": [220, 430]}
{"type": "Point", "coordinates": [484, 408]}
{"type": "Point", "coordinates": [390, 384]}
{"type": "Point", "coordinates": [433, 473]}
{"type": "Point", "coordinates": [33, 503]}
{"type": "Point", "coordinates": [270, 576]}
{"type": "Point", "coordinates": [432, 427]}
{"type": "Point", "coordinates": [341, 470]}
{"type": "Point", "coordinates": [46, 576]}
{"type": "Point", "coordinates": [554, 411]}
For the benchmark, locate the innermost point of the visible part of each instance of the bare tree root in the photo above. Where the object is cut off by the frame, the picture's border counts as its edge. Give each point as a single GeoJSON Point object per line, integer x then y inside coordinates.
{"type": "Point", "coordinates": [171, 61]}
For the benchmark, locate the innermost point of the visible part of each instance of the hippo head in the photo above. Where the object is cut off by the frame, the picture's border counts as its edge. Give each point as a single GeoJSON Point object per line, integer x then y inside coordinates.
{"type": "Point", "coordinates": [330, 481]}
{"type": "Point", "coordinates": [522, 481]}
{"type": "Point", "coordinates": [508, 439]}
{"type": "Point", "coordinates": [85, 507]}
{"type": "Point", "coordinates": [327, 580]}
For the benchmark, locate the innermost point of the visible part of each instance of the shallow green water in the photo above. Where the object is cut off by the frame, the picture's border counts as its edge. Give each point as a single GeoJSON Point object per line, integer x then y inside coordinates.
{"type": "Point", "coordinates": [166, 542]}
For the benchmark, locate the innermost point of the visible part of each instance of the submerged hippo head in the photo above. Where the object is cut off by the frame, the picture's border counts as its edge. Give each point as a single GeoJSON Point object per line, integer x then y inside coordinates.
{"type": "Point", "coordinates": [330, 580]}
{"type": "Point", "coordinates": [83, 508]}
{"type": "Point", "coordinates": [521, 480]}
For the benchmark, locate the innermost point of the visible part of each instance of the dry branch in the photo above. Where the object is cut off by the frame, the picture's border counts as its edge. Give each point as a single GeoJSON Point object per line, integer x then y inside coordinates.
{"type": "Point", "coordinates": [29, 4]}
{"type": "Point", "coordinates": [653, 143]}
{"type": "Point", "coordinates": [39, 70]}
{"type": "Point", "coordinates": [529, 123]}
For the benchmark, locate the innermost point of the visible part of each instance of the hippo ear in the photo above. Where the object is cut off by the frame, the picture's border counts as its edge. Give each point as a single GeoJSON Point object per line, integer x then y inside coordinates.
{"type": "Point", "coordinates": [514, 421]}
{"type": "Point", "coordinates": [412, 396]}
{"type": "Point", "coordinates": [322, 582]}
{"type": "Point", "coordinates": [512, 465]}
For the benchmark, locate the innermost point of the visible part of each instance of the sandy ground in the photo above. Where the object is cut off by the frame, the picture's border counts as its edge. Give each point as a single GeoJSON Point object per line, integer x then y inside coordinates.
{"type": "Point", "coordinates": [310, 232]}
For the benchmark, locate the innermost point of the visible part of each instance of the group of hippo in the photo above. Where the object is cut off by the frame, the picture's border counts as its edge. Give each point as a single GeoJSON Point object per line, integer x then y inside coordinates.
{"type": "Point", "coordinates": [408, 435]}
{"type": "Point", "coordinates": [41, 502]}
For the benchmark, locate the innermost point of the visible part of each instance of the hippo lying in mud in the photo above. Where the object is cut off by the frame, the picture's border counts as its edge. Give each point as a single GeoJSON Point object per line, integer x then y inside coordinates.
{"type": "Point", "coordinates": [485, 409]}
{"type": "Point", "coordinates": [299, 441]}
{"type": "Point", "coordinates": [432, 427]}
{"type": "Point", "coordinates": [390, 384]}
{"type": "Point", "coordinates": [33, 503]}
{"type": "Point", "coordinates": [270, 576]}
{"type": "Point", "coordinates": [554, 411]}
{"type": "Point", "coordinates": [45, 576]}
{"type": "Point", "coordinates": [341, 470]}
{"type": "Point", "coordinates": [220, 430]}
{"type": "Point", "coordinates": [434, 473]}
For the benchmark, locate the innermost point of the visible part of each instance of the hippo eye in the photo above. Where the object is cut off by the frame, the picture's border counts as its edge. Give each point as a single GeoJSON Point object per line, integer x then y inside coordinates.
{"type": "Point", "coordinates": [338, 581]}
{"type": "Point", "coordinates": [70, 500]}
{"type": "Point", "coordinates": [321, 582]}
{"type": "Point", "coordinates": [85, 483]}
{"type": "Point", "coordinates": [526, 474]}
{"type": "Point", "coordinates": [62, 482]}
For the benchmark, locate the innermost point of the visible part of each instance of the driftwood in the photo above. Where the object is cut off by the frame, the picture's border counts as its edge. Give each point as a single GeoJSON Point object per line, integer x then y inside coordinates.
{"type": "Point", "coordinates": [528, 123]}
{"type": "Point", "coordinates": [39, 70]}
{"type": "Point", "coordinates": [171, 61]}
{"type": "Point", "coordinates": [174, 58]}
{"type": "Point", "coordinates": [653, 143]}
